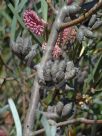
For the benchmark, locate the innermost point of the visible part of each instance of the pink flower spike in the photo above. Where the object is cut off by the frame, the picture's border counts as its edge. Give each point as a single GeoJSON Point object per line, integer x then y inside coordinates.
{"type": "Point", "coordinates": [69, 2]}
{"type": "Point", "coordinates": [56, 51]}
{"type": "Point", "coordinates": [44, 46]}
{"type": "Point", "coordinates": [33, 22]}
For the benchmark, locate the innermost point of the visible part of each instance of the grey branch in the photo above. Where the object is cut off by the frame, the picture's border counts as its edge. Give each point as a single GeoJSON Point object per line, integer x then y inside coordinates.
{"type": "Point", "coordinates": [63, 12]}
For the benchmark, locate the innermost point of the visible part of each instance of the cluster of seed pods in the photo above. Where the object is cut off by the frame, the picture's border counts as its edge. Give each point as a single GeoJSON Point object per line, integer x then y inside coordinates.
{"type": "Point", "coordinates": [94, 23]}
{"type": "Point", "coordinates": [24, 50]}
{"type": "Point", "coordinates": [62, 109]}
{"type": "Point", "coordinates": [57, 72]}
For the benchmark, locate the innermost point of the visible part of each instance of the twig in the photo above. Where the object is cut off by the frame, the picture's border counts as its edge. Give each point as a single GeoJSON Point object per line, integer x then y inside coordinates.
{"type": "Point", "coordinates": [9, 68]}
{"type": "Point", "coordinates": [83, 17]}
{"type": "Point", "coordinates": [30, 117]}
{"type": "Point", "coordinates": [31, 76]}
{"type": "Point", "coordinates": [82, 2]}
{"type": "Point", "coordinates": [12, 78]}
{"type": "Point", "coordinates": [29, 122]}
{"type": "Point", "coordinates": [50, 115]}
{"type": "Point", "coordinates": [78, 120]}
{"type": "Point", "coordinates": [51, 6]}
{"type": "Point", "coordinates": [3, 110]}
{"type": "Point", "coordinates": [8, 78]}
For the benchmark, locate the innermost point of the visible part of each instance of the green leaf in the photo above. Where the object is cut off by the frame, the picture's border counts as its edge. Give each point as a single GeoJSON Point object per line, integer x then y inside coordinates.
{"type": "Point", "coordinates": [46, 125]}
{"type": "Point", "coordinates": [16, 3]}
{"type": "Point", "coordinates": [18, 8]}
{"type": "Point", "coordinates": [16, 117]}
{"type": "Point", "coordinates": [4, 109]}
{"type": "Point", "coordinates": [53, 130]}
{"type": "Point", "coordinates": [13, 28]}
{"type": "Point", "coordinates": [97, 67]}
{"type": "Point", "coordinates": [21, 5]}
{"type": "Point", "coordinates": [44, 9]}
{"type": "Point", "coordinates": [6, 16]}
{"type": "Point", "coordinates": [92, 76]}
{"type": "Point", "coordinates": [16, 14]}
{"type": "Point", "coordinates": [14, 22]}
{"type": "Point", "coordinates": [37, 7]}
{"type": "Point", "coordinates": [49, 130]}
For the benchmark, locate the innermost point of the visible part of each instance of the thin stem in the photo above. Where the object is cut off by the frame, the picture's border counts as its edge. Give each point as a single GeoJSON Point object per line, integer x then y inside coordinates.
{"type": "Point", "coordinates": [35, 96]}
{"type": "Point", "coordinates": [73, 121]}
{"type": "Point", "coordinates": [51, 6]}
{"type": "Point", "coordinates": [6, 66]}
{"type": "Point", "coordinates": [83, 17]}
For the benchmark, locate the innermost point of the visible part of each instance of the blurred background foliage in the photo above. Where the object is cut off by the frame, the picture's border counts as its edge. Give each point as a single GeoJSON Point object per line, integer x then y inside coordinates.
{"type": "Point", "coordinates": [16, 78]}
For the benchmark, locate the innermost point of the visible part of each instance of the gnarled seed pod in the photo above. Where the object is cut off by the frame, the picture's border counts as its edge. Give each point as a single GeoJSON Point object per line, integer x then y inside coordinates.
{"type": "Point", "coordinates": [67, 87]}
{"type": "Point", "coordinates": [70, 74]}
{"type": "Point", "coordinates": [47, 74]}
{"type": "Point", "coordinates": [48, 64]}
{"type": "Point", "coordinates": [80, 35]}
{"type": "Point", "coordinates": [70, 66]}
{"type": "Point", "coordinates": [54, 68]}
{"type": "Point", "coordinates": [21, 47]}
{"type": "Point", "coordinates": [70, 70]}
{"type": "Point", "coordinates": [74, 8]}
{"type": "Point", "coordinates": [62, 65]}
{"type": "Point", "coordinates": [51, 109]}
{"type": "Point", "coordinates": [30, 56]}
{"type": "Point", "coordinates": [97, 24]}
{"type": "Point", "coordinates": [92, 20]}
{"type": "Point", "coordinates": [27, 43]}
{"type": "Point", "coordinates": [59, 76]}
{"type": "Point", "coordinates": [59, 107]}
{"type": "Point", "coordinates": [67, 109]}
{"type": "Point", "coordinates": [88, 33]}
{"type": "Point", "coordinates": [82, 76]}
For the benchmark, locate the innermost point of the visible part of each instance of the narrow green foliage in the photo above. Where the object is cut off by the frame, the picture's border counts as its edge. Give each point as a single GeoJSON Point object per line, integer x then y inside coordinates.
{"type": "Point", "coordinates": [44, 8]}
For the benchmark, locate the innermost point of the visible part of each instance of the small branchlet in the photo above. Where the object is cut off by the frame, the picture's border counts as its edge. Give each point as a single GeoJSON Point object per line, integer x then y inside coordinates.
{"type": "Point", "coordinates": [55, 69]}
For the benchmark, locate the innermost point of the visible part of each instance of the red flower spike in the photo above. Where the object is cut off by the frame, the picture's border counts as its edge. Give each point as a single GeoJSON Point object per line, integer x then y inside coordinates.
{"type": "Point", "coordinates": [68, 35]}
{"type": "Point", "coordinates": [33, 22]}
{"type": "Point", "coordinates": [56, 51]}
{"type": "Point", "coordinates": [69, 2]}
{"type": "Point", "coordinates": [44, 46]}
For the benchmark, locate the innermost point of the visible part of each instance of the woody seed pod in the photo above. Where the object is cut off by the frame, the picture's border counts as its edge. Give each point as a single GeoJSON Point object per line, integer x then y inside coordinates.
{"type": "Point", "coordinates": [88, 33]}
{"type": "Point", "coordinates": [80, 35]}
{"type": "Point", "coordinates": [97, 24]}
{"type": "Point", "coordinates": [92, 20]}
{"type": "Point", "coordinates": [62, 65]}
{"type": "Point", "coordinates": [21, 47]}
{"type": "Point", "coordinates": [59, 107]}
{"type": "Point", "coordinates": [67, 109]}
{"type": "Point", "coordinates": [70, 66]}
{"type": "Point", "coordinates": [50, 109]}
{"type": "Point", "coordinates": [47, 75]}
{"type": "Point", "coordinates": [59, 76]}
{"type": "Point", "coordinates": [69, 75]}
{"type": "Point", "coordinates": [30, 56]}
{"type": "Point", "coordinates": [54, 68]}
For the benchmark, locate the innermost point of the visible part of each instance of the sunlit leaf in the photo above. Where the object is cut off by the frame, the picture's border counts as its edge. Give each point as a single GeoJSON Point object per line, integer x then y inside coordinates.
{"type": "Point", "coordinates": [44, 9]}
{"type": "Point", "coordinates": [15, 117]}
